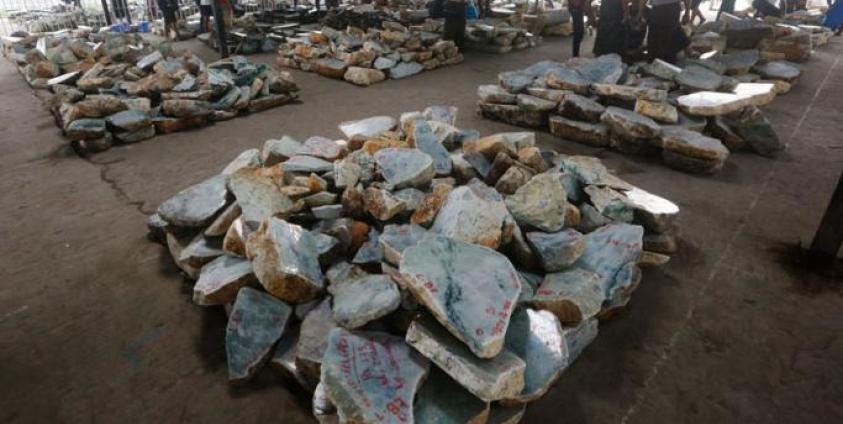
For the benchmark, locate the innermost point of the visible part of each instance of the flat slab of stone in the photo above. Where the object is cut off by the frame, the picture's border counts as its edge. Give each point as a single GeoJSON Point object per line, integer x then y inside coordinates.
{"type": "Point", "coordinates": [473, 214]}
{"type": "Point", "coordinates": [493, 93]}
{"type": "Point", "coordinates": [609, 249]}
{"type": "Point", "coordinates": [537, 338]}
{"type": "Point", "coordinates": [557, 251]}
{"type": "Point", "coordinates": [695, 145]}
{"type": "Point", "coordinates": [285, 259]}
{"type": "Point", "coordinates": [426, 141]}
{"type": "Point", "coordinates": [660, 111]}
{"type": "Point", "coordinates": [306, 164]}
{"type": "Point", "coordinates": [778, 70]}
{"type": "Point", "coordinates": [249, 158]}
{"type": "Point", "coordinates": [629, 124]}
{"type": "Point", "coordinates": [535, 104]}
{"type": "Point", "coordinates": [755, 130]}
{"type": "Point", "coordinates": [596, 135]}
{"type": "Point", "coordinates": [395, 239]}
{"type": "Point", "coordinates": [442, 400]}
{"type": "Point", "coordinates": [275, 151]}
{"type": "Point", "coordinates": [499, 377]}
{"type": "Point", "coordinates": [313, 339]}
{"type": "Point", "coordinates": [609, 203]}
{"type": "Point", "coordinates": [371, 251]}
{"type": "Point", "coordinates": [360, 300]}
{"type": "Point", "coordinates": [581, 108]}
{"type": "Point", "coordinates": [470, 289]}
{"type": "Point", "coordinates": [256, 322]}
{"type": "Point", "coordinates": [540, 203]}
{"type": "Point", "coordinates": [321, 147]}
{"type": "Point", "coordinates": [573, 295]}
{"type": "Point", "coordinates": [369, 127]}
{"type": "Point", "coordinates": [629, 93]}
{"type": "Point", "coordinates": [698, 78]}
{"type": "Point", "coordinates": [405, 69]}
{"type": "Point", "coordinates": [258, 195]}
{"type": "Point", "coordinates": [372, 377]}
{"type": "Point", "coordinates": [220, 280]}
{"type": "Point", "coordinates": [655, 213]}
{"type": "Point", "coordinates": [405, 167]}
{"type": "Point", "coordinates": [197, 205]}
{"type": "Point", "coordinates": [604, 69]}
{"type": "Point", "coordinates": [710, 103]}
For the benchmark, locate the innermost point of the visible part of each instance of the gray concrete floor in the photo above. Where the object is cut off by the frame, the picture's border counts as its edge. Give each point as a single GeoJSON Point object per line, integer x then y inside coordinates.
{"type": "Point", "coordinates": [96, 324]}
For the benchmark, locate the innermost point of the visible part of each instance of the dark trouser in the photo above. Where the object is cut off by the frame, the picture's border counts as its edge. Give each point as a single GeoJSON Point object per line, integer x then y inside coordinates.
{"type": "Point", "coordinates": [611, 31]}
{"type": "Point", "coordinates": [726, 6]}
{"type": "Point", "coordinates": [664, 34]}
{"type": "Point", "coordinates": [455, 22]}
{"type": "Point", "coordinates": [579, 28]}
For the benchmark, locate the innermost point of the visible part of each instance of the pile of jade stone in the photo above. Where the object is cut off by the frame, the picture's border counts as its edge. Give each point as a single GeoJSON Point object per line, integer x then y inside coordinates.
{"type": "Point", "coordinates": [498, 36]}
{"type": "Point", "coordinates": [414, 271]}
{"type": "Point", "coordinates": [368, 57]}
{"type": "Point", "coordinates": [109, 88]}
{"type": "Point", "coordinates": [693, 116]}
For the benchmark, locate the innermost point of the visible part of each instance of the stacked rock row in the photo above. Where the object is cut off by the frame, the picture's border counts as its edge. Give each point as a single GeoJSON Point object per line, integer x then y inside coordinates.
{"type": "Point", "coordinates": [497, 36]}
{"type": "Point", "coordinates": [791, 37]}
{"type": "Point", "coordinates": [365, 58]}
{"type": "Point", "coordinates": [691, 116]}
{"type": "Point", "coordinates": [124, 95]}
{"type": "Point", "coordinates": [414, 272]}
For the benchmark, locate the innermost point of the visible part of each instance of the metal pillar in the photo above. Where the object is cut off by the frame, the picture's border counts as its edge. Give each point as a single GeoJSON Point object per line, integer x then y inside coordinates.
{"type": "Point", "coordinates": [829, 235]}
{"type": "Point", "coordinates": [220, 23]}
{"type": "Point", "coordinates": [106, 12]}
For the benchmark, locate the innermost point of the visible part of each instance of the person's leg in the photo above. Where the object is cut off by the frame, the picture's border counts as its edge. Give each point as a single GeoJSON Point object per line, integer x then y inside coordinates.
{"type": "Point", "coordinates": [579, 29]}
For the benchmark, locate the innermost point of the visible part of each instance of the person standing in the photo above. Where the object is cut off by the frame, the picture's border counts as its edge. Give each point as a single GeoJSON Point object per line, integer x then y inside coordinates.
{"type": "Point", "coordinates": [578, 8]}
{"type": "Point", "coordinates": [205, 13]}
{"type": "Point", "coordinates": [455, 22]}
{"type": "Point", "coordinates": [611, 27]}
{"type": "Point", "coordinates": [665, 37]}
{"type": "Point", "coordinates": [168, 9]}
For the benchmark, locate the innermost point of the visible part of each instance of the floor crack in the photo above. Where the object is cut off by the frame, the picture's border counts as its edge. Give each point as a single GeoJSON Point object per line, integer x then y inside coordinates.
{"type": "Point", "coordinates": [121, 194]}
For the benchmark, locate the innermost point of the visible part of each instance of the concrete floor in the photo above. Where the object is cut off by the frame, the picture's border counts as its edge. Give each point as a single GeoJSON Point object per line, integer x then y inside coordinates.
{"type": "Point", "coordinates": [97, 325]}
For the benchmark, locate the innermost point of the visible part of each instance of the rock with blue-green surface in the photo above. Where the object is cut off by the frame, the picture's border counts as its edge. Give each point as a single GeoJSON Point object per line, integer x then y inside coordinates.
{"type": "Point", "coordinates": [256, 322]}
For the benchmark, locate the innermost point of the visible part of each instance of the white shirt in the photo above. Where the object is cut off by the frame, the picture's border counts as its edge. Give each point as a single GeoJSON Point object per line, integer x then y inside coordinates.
{"type": "Point", "coordinates": [205, 2]}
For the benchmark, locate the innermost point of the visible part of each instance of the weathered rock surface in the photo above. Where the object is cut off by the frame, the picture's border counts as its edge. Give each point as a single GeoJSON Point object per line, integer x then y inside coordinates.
{"type": "Point", "coordinates": [470, 289]}
{"type": "Point", "coordinates": [255, 324]}
{"type": "Point", "coordinates": [405, 167]}
{"type": "Point", "coordinates": [540, 203]}
{"type": "Point", "coordinates": [573, 295]}
{"type": "Point", "coordinates": [607, 251]}
{"type": "Point", "coordinates": [581, 108]}
{"type": "Point", "coordinates": [474, 214]}
{"type": "Point", "coordinates": [360, 300]}
{"type": "Point", "coordinates": [397, 238]}
{"type": "Point", "coordinates": [557, 251]}
{"type": "Point", "coordinates": [372, 377]}
{"type": "Point", "coordinates": [313, 339]}
{"type": "Point", "coordinates": [220, 280]}
{"type": "Point", "coordinates": [197, 205]}
{"type": "Point", "coordinates": [499, 377]}
{"type": "Point", "coordinates": [286, 260]}
{"type": "Point", "coordinates": [537, 338]}
{"type": "Point", "coordinates": [596, 135]}
{"type": "Point", "coordinates": [258, 193]}
{"type": "Point", "coordinates": [660, 111]}
{"type": "Point", "coordinates": [630, 124]}
{"type": "Point", "coordinates": [442, 400]}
